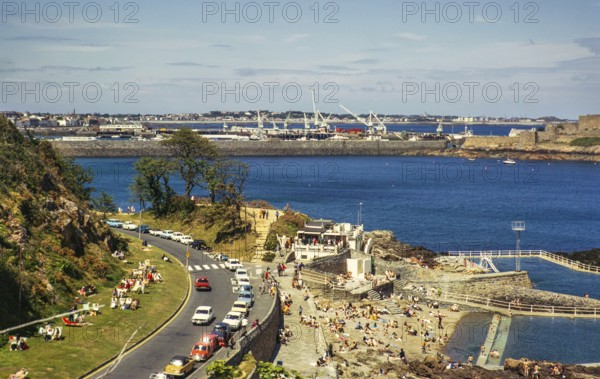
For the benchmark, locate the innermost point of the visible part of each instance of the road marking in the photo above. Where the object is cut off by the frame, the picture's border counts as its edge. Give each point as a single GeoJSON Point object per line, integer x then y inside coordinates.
{"type": "Point", "coordinates": [222, 265]}
{"type": "Point", "coordinates": [197, 267]}
{"type": "Point", "coordinates": [214, 266]}
{"type": "Point", "coordinates": [206, 267]}
{"type": "Point", "coordinates": [190, 268]}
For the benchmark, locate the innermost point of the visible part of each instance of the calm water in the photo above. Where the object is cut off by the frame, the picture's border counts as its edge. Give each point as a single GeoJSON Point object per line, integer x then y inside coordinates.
{"type": "Point", "coordinates": [445, 204]}
{"type": "Point", "coordinates": [442, 203]}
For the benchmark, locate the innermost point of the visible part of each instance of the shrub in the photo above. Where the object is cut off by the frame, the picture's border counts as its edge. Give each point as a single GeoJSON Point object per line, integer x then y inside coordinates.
{"type": "Point", "coordinates": [268, 257]}
{"type": "Point", "coordinates": [586, 142]}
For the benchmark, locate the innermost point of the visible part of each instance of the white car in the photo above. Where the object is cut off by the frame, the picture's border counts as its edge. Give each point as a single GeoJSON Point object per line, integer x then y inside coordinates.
{"type": "Point", "coordinates": [234, 320]}
{"type": "Point", "coordinates": [166, 234]}
{"type": "Point", "coordinates": [243, 282]}
{"type": "Point", "coordinates": [233, 264]}
{"type": "Point", "coordinates": [128, 225]}
{"type": "Point", "coordinates": [241, 273]}
{"type": "Point", "coordinates": [203, 315]}
{"type": "Point", "coordinates": [186, 240]}
{"type": "Point", "coordinates": [175, 236]}
{"type": "Point", "coordinates": [155, 232]}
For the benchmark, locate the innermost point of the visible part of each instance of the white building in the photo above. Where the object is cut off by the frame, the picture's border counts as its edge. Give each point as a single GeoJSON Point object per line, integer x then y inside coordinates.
{"type": "Point", "coordinates": [320, 238]}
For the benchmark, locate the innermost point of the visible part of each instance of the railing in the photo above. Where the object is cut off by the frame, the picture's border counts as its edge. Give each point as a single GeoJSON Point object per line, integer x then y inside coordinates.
{"type": "Point", "coordinates": [575, 265]}
{"type": "Point", "coordinates": [509, 307]}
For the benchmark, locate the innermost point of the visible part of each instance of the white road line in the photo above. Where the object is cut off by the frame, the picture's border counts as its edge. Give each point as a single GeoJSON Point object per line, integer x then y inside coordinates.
{"type": "Point", "coordinates": [197, 267]}
{"type": "Point", "coordinates": [190, 268]}
{"type": "Point", "coordinates": [206, 267]}
{"type": "Point", "coordinates": [222, 265]}
{"type": "Point", "coordinates": [214, 266]}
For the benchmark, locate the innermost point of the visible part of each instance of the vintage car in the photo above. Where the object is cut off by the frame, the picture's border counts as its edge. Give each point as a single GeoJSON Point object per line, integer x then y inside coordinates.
{"type": "Point", "coordinates": [241, 273]}
{"type": "Point", "coordinates": [212, 339]}
{"type": "Point", "coordinates": [234, 320]}
{"type": "Point", "coordinates": [128, 225]}
{"type": "Point", "coordinates": [203, 315]}
{"type": "Point", "coordinates": [223, 332]}
{"type": "Point", "coordinates": [233, 264]}
{"type": "Point", "coordinates": [242, 307]}
{"type": "Point", "coordinates": [186, 240]}
{"type": "Point", "coordinates": [114, 223]}
{"type": "Point", "coordinates": [179, 366]}
{"type": "Point", "coordinates": [202, 283]}
{"type": "Point", "coordinates": [247, 297]}
{"type": "Point", "coordinates": [201, 351]}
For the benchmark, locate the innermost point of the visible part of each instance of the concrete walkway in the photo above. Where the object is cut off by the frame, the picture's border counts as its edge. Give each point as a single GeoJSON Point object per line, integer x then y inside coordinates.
{"type": "Point", "coordinates": [307, 344]}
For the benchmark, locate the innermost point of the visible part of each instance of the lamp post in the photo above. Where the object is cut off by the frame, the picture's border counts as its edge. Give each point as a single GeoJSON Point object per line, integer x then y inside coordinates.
{"type": "Point", "coordinates": [518, 227]}
{"type": "Point", "coordinates": [359, 213]}
{"type": "Point", "coordinates": [21, 243]}
{"type": "Point", "coordinates": [140, 225]}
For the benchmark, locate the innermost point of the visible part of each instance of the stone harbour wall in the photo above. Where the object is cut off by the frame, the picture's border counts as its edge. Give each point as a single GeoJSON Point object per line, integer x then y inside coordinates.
{"type": "Point", "coordinates": [110, 148]}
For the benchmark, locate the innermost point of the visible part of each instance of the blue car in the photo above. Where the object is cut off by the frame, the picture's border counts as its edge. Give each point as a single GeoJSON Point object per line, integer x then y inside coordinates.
{"type": "Point", "coordinates": [114, 223]}
{"type": "Point", "coordinates": [246, 297]}
{"type": "Point", "coordinates": [144, 228]}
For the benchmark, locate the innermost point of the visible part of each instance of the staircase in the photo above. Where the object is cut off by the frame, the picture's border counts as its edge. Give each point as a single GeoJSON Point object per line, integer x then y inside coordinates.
{"type": "Point", "coordinates": [373, 295]}
{"type": "Point", "coordinates": [392, 307]}
{"type": "Point", "coordinates": [262, 227]}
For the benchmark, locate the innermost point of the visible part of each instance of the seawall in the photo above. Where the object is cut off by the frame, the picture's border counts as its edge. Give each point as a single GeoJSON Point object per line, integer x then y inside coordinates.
{"type": "Point", "coordinates": [111, 148]}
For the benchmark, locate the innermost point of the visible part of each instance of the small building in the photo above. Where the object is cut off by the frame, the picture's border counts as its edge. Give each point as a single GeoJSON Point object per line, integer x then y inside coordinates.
{"type": "Point", "coordinates": [320, 238]}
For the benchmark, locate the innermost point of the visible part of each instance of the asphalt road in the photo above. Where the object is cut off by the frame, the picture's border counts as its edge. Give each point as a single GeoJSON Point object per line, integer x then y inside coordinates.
{"type": "Point", "coordinates": [179, 335]}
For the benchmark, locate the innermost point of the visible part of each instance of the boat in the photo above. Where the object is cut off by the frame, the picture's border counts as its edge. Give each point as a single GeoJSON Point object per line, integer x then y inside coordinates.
{"type": "Point", "coordinates": [509, 162]}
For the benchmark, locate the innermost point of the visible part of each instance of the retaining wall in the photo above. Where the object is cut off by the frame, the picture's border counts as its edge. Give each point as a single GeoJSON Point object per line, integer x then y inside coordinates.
{"type": "Point", "coordinates": [111, 148]}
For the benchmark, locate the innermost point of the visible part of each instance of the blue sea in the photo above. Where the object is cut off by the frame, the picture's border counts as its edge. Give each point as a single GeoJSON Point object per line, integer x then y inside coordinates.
{"type": "Point", "coordinates": [443, 204]}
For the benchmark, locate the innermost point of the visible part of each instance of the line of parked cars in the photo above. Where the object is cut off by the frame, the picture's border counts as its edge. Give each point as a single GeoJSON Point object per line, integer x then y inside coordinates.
{"type": "Point", "coordinates": [127, 225]}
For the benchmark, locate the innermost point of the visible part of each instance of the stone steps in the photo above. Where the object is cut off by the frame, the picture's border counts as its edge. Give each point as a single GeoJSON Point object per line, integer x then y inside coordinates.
{"type": "Point", "coordinates": [392, 307]}
{"type": "Point", "coordinates": [373, 295]}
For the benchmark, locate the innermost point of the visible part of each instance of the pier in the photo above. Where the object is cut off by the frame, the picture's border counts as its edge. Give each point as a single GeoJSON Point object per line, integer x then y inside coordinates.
{"type": "Point", "coordinates": [550, 257]}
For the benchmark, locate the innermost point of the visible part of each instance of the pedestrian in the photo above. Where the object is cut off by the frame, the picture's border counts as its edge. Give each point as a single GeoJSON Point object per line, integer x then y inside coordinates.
{"type": "Point", "coordinates": [330, 350]}
{"type": "Point", "coordinates": [403, 356]}
{"type": "Point", "coordinates": [300, 311]}
{"type": "Point", "coordinates": [470, 360]}
{"type": "Point", "coordinates": [276, 215]}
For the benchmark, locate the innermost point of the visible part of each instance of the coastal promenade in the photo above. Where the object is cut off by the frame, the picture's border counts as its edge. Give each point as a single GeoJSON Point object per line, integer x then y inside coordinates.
{"type": "Point", "coordinates": [550, 257]}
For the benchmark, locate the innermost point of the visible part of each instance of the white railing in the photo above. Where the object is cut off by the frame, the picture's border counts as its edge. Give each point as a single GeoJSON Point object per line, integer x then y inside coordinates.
{"type": "Point", "coordinates": [510, 307]}
{"type": "Point", "coordinates": [575, 265]}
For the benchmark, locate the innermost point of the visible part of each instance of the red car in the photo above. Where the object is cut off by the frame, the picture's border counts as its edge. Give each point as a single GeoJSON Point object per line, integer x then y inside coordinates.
{"type": "Point", "coordinates": [202, 283]}
{"type": "Point", "coordinates": [202, 351]}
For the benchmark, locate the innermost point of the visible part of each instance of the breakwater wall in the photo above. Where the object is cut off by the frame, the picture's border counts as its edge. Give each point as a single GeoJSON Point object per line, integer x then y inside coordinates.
{"type": "Point", "coordinates": [111, 148]}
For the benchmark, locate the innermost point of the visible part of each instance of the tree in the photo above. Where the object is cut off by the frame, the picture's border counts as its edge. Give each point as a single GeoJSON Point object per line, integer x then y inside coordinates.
{"type": "Point", "coordinates": [152, 183]}
{"type": "Point", "coordinates": [192, 155]}
{"type": "Point", "coordinates": [267, 370]}
{"type": "Point", "coordinates": [219, 369]}
{"type": "Point", "coordinates": [104, 203]}
{"type": "Point", "coordinates": [226, 181]}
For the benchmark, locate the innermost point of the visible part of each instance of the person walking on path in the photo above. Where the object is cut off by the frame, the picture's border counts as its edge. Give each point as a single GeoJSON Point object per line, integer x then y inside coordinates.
{"type": "Point", "coordinates": [300, 311]}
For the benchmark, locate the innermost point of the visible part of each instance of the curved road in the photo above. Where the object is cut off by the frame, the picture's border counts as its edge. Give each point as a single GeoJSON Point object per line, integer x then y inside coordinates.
{"type": "Point", "coordinates": [178, 336]}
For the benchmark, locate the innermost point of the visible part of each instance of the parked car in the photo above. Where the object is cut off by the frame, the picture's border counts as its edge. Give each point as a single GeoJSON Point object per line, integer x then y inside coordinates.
{"type": "Point", "coordinates": [247, 297]}
{"type": "Point", "coordinates": [179, 366]}
{"type": "Point", "coordinates": [233, 264]}
{"type": "Point", "coordinates": [199, 245]}
{"type": "Point", "coordinates": [153, 232]}
{"type": "Point", "coordinates": [241, 273]}
{"type": "Point", "coordinates": [144, 228]}
{"type": "Point", "coordinates": [159, 375]}
{"type": "Point", "coordinates": [242, 282]}
{"type": "Point", "coordinates": [234, 320]}
{"type": "Point", "coordinates": [223, 332]}
{"type": "Point", "coordinates": [114, 223]}
{"type": "Point", "coordinates": [221, 257]}
{"type": "Point", "coordinates": [175, 236]}
{"type": "Point", "coordinates": [201, 351]}
{"type": "Point", "coordinates": [245, 288]}
{"type": "Point", "coordinates": [128, 225]}
{"type": "Point", "coordinates": [166, 234]}
{"type": "Point", "coordinates": [212, 339]}
{"type": "Point", "coordinates": [241, 306]}
{"type": "Point", "coordinates": [186, 240]}
{"type": "Point", "coordinates": [203, 315]}
{"type": "Point", "coordinates": [202, 283]}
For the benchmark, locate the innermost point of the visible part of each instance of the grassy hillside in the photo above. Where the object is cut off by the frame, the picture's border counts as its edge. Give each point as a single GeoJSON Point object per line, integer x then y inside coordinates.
{"type": "Point", "coordinates": [50, 243]}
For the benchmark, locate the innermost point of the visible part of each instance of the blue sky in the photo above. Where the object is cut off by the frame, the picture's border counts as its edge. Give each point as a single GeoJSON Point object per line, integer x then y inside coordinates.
{"type": "Point", "coordinates": [497, 59]}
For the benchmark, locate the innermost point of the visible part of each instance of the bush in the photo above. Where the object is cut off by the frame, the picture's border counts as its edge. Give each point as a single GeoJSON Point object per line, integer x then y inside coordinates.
{"type": "Point", "coordinates": [271, 242]}
{"type": "Point", "coordinates": [268, 257]}
{"type": "Point", "coordinates": [586, 142]}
